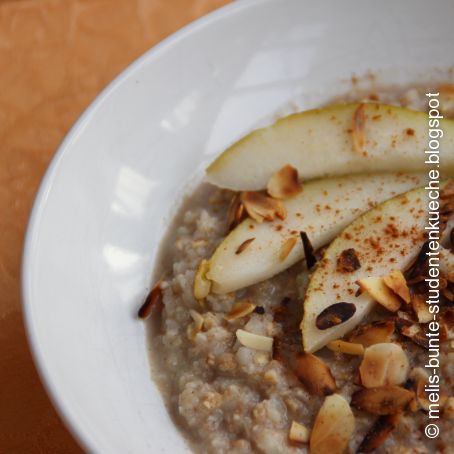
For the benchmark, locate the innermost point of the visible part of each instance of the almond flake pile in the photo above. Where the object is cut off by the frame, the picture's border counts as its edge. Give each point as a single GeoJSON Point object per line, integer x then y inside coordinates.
{"type": "Point", "coordinates": [261, 207]}
{"type": "Point", "coordinates": [284, 183]}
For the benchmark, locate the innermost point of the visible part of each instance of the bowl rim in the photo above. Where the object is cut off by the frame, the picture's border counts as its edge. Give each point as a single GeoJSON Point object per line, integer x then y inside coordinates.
{"type": "Point", "coordinates": [38, 355]}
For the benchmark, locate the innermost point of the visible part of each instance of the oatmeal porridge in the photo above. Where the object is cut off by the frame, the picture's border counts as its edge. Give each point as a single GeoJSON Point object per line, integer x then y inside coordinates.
{"type": "Point", "coordinates": [291, 313]}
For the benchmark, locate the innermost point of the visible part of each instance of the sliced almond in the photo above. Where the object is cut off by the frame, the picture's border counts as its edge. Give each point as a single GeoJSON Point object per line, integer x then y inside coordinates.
{"type": "Point", "coordinates": [446, 321]}
{"type": "Point", "coordinates": [423, 395]}
{"type": "Point", "coordinates": [386, 400]}
{"type": "Point", "coordinates": [197, 324]}
{"type": "Point", "coordinates": [315, 375]}
{"type": "Point", "coordinates": [243, 246]}
{"type": "Point", "coordinates": [286, 248]}
{"type": "Point", "coordinates": [448, 409]}
{"type": "Point", "coordinates": [240, 309]}
{"type": "Point", "coordinates": [153, 298]}
{"type": "Point", "coordinates": [379, 432]}
{"type": "Point", "coordinates": [260, 207]}
{"type": "Point", "coordinates": [284, 183]}
{"type": "Point", "coordinates": [345, 347]}
{"type": "Point", "coordinates": [255, 341]}
{"type": "Point", "coordinates": [373, 333]}
{"type": "Point", "coordinates": [333, 427]}
{"type": "Point", "coordinates": [202, 285]}
{"type": "Point", "coordinates": [298, 433]}
{"type": "Point", "coordinates": [421, 309]}
{"type": "Point", "coordinates": [384, 364]}
{"type": "Point", "coordinates": [380, 292]}
{"type": "Point", "coordinates": [359, 129]}
{"type": "Point", "coordinates": [397, 283]}
{"type": "Point", "coordinates": [335, 315]}
{"type": "Point", "coordinates": [236, 212]}
{"type": "Point", "coordinates": [414, 332]}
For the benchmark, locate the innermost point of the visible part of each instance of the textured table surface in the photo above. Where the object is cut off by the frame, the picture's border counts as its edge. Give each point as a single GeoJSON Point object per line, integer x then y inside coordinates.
{"type": "Point", "coordinates": [55, 56]}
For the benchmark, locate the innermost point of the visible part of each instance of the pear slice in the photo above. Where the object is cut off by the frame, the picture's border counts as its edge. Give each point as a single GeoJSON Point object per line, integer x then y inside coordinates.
{"type": "Point", "coordinates": [387, 237]}
{"type": "Point", "coordinates": [337, 140]}
{"type": "Point", "coordinates": [321, 210]}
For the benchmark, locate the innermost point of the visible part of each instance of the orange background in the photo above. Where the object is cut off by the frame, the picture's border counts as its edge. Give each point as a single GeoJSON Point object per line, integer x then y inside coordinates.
{"type": "Point", "coordinates": [55, 56]}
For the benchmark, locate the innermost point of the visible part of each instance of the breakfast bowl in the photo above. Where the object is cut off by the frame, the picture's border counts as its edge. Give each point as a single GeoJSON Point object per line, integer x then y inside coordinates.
{"type": "Point", "coordinates": [98, 232]}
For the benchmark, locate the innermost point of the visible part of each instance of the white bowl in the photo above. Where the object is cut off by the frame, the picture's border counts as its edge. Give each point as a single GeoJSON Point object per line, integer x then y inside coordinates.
{"type": "Point", "coordinates": [109, 193]}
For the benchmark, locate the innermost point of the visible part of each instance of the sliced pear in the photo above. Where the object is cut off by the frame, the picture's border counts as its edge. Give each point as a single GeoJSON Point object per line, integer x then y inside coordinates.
{"type": "Point", "coordinates": [337, 140]}
{"type": "Point", "coordinates": [322, 210]}
{"type": "Point", "coordinates": [388, 236]}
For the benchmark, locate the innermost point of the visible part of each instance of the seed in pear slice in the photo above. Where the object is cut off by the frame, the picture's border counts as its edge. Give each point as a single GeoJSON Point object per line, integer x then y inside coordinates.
{"type": "Point", "coordinates": [388, 236]}
{"type": "Point", "coordinates": [321, 210]}
{"type": "Point", "coordinates": [336, 140]}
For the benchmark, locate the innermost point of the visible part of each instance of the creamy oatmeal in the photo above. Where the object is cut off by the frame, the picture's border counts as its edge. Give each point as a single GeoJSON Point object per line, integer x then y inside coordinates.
{"type": "Point", "coordinates": [226, 338]}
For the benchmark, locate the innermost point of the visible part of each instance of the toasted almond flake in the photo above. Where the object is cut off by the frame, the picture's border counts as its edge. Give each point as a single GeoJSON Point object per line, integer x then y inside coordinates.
{"type": "Point", "coordinates": [422, 396]}
{"type": "Point", "coordinates": [415, 333]}
{"type": "Point", "coordinates": [446, 321]}
{"type": "Point", "coordinates": [345, 347]}
{"type": "Point", "coordinates": [262, 208]}
{"type": "Point", "coordinates": [421, 309]}
{"type": "Point", "coordinates": [384, 364]}
{"type": "Point", "coordinates": [315, 375]}
{"type": "Point", "coordinates": [298, 433]}
{"type": "Point", "coordinates": [240, 309]}
{"type": "Point", "coordinates": [358, 130]}
{"type": "Point", "coordinates": [255, 341]}
{"type": "Point", "coordinates": [385, 400]}
{"type": "Point", "coordinates": [197, 324]}
{"type": "Point", "coordinates": [333, 427]}
{"type": "Point", "coordinates": [286, 248]}
{"type": "Point", "coordinates": [373, 333]}
{"type": "Point", "coordinates": [448, 409]}
{"type": "Point", "coordinates": [334, 315]}
{"type": "Point", "coordinates": [153, 298]}
{"type": "Point", "coordinates": [235, 212]}
{"type": "Point", "coordinates": [202, 285]}
{"type": "Point", "coordinates": [380, 292]}
{"type": "Point", "coordinates": [379, 432]}
{"type": "Point", "coordinates": [395, 281]}
{"type": "Point", "coordinates": [284, 183]}
{"type": "Point", "coordinates": [243, 246]}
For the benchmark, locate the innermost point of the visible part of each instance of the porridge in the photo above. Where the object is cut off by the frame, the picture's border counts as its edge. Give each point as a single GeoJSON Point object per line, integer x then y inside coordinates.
{"type": "Point", "coordinates": [337, 262]}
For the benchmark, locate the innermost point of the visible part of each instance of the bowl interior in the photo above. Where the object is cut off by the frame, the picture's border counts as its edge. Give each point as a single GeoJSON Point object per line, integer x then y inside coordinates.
{"type": "Point", "coordinates": [114, 184]}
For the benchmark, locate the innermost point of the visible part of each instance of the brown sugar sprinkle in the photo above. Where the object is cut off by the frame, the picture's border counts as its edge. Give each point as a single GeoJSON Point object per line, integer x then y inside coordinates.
{"type": "Point", "coordinates": [410, 132]}
{"type": "Point", "coordinates": [348, 261]}
{"type": "Point", "coordinates": [152, 300]}
{"type": "Point", "coordinates": [244, 245]}
{"type": "Point", "coordinates": [358, 132]}
{"type": "Point", "coordinates": [261, 207]}
{"type": "Point", "coordinates": [284, 183]}
{"type": "Point", "coordinates": [334, 315]}
{"type": "Point", "coordinates": [286, 248]}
